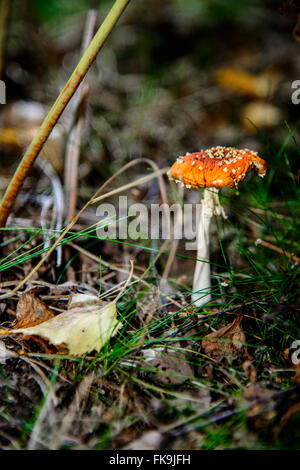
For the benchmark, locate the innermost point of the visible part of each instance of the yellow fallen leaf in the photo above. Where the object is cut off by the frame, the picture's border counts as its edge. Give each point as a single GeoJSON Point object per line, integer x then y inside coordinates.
{"type": "Point", "coordinates": [14, 137]}
{"type": "Point", "coordinates": [86, 326]}
{"type": "Point", "coordinates": [261, 114]}
{"type": "Point", "coordinates": [241, 82]}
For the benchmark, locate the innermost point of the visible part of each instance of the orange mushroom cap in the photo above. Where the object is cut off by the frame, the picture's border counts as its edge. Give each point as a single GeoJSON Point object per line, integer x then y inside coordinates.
{"type": "Point", "coordinates": [216, 167]}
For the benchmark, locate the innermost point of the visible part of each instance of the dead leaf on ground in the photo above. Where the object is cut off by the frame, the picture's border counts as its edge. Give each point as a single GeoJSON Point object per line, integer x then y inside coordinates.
{"type": "Point", "coordinates": [296, 377]}
{"type": "Point", "coordinates": [169, 367]}
{"type": "Point", "coordinates": [228, 342]}
{"type": "Point", "coordinates": [261, 411]}
{"type": "Point", "coordinates": [268, 409]}
{"type": "Point", "coordinates": [32, 311]}
{"type": "Point", "coordinates": [87, 325]}
{"type": "Point", "coordinates": [289, 421]}
{"type": "Point", "coordinates": [296, 30]}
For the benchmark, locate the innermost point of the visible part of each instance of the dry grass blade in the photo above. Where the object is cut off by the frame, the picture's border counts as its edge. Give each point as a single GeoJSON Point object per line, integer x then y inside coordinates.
{"type": "Point", "coordinates": [57, 201]}
{"type": "Point", "coordinates": [126, 283]}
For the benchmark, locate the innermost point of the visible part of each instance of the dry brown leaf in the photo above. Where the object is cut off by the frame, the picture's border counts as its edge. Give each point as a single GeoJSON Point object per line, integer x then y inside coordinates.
{"type": "Point", "coordinates": [296, 377]}
{"type": "Point", "coordinates": [267, 409]}
{"type": "Point", "coordinates": [285, 356]}
{"type": "Point", "coordinates": [31, 311]}
{"type": "Point", "coordinates": [228, 342]}
{"type": "Point", "coordinates": [289, 414]}
{"type": "Point", "coordinates": [261, 411]}
{"type": "Point", "coordinates": [296, 30]}
{"type": "Point", "coordinates": [169, 367]}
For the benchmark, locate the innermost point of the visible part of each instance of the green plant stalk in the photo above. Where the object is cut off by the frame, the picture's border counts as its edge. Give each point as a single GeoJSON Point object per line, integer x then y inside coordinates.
{"type": "Point", "coordinates": [58, 108]}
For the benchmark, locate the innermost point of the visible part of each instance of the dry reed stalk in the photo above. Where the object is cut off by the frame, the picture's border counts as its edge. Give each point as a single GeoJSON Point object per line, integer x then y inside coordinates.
{"type": "Point", "coordinates": [73, 147]}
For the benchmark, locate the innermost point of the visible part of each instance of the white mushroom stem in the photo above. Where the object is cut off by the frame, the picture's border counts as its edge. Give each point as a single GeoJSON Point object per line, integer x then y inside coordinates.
{"type": "Point", "coordinates": [201, 284]}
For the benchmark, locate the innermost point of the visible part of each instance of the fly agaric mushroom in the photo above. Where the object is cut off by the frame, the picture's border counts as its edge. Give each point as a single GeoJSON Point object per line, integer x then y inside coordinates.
{"type": "Point", "coordinates": [212, 169]}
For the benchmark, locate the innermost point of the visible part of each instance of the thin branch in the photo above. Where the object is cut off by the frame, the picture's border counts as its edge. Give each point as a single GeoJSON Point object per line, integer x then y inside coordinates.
{"type": "Point", "coordinates": [294, 258]}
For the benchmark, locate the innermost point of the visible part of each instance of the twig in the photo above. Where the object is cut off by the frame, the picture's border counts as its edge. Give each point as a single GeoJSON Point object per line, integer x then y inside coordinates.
{"type": "Point", "coordinates": [129, 165]}
{"type": "Point", "coordinates": [58, 108]}
{"type": "Point", "coordinates": [294, 258]}
{"type": "Point", "coordinates": [73, 146]}
{"type": "Point", "coordinates": [57, 201]}
{"type": "Point", "coordinates": [134, 183]}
